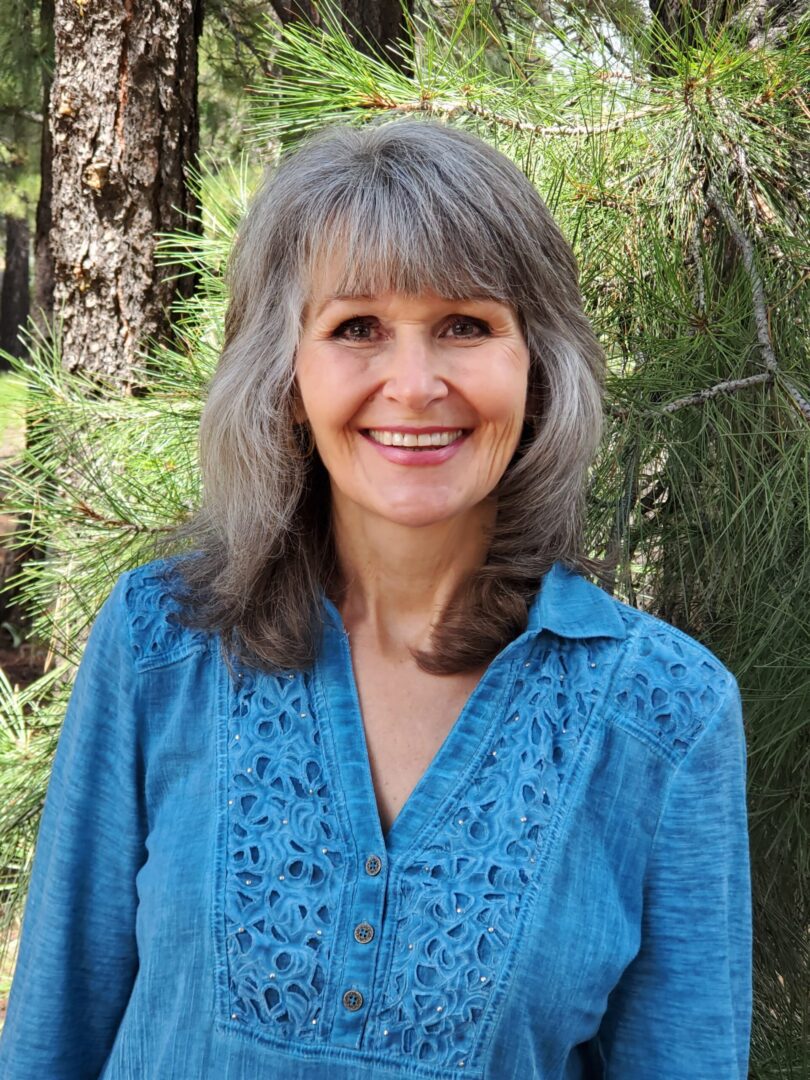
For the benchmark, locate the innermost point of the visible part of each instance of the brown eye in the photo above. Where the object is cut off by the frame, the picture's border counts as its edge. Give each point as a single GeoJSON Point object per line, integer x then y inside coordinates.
{"type": "Point", "coordinates": [461, 326]}
{"type": "Point", "coordinates": [356, 329]}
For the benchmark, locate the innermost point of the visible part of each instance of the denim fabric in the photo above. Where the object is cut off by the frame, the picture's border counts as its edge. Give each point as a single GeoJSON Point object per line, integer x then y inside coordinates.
{"type": "Point", "coordinates": [565, 895]}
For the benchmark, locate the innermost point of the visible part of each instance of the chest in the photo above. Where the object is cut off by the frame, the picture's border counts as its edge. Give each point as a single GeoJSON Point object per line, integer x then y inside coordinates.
{"type": "Point", "coordinates": [316, 919]}
{"type": "Point", "coordinates": [407, 714]}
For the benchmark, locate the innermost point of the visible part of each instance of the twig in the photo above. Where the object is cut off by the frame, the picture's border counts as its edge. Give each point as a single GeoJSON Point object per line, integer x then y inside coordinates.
{"type": "Point", "coordinates": [697, 261]}
{"type": "Point", "coordinates": [26, 114]}
{"type": "Point", "coordinates": [757, 291]}
{"type": "Point", "coordinates": [566, 129]}
{"type": "Point", "coordinates": [758, 296]}
{"type": "Point", "coordinates": [729, 386]}
{"type": "Point", "coordinates": [447, 109]}
{"type": "Point", "coordinates": [228, 21]}
{"type": "Point", "coordinates": [801, 402]}
{"type": "Point", "coordinates": [116, 523]}
{"type": "Point", "coordinates": [626, 76]}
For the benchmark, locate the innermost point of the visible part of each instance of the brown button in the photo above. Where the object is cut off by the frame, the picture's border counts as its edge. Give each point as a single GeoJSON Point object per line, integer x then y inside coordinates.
{"type": "Point", "coordinates": [363, 932]}
{"type": "Point", "coordinates": [373, 865]}
{"type": "Point", "coordinates": [353, 1000]}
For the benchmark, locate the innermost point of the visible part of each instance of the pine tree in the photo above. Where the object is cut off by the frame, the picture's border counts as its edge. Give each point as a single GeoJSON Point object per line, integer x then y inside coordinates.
{"type": "Point", "coordinates": [682, 187]}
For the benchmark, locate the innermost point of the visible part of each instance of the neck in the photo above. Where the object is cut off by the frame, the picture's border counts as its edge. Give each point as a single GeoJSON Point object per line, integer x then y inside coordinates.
{"type": "Point", "coordinates": [398, 579]}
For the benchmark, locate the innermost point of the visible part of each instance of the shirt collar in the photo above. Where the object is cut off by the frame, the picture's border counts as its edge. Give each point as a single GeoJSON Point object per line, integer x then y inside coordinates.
{"type": "Point", "coordinates": [572, 607]}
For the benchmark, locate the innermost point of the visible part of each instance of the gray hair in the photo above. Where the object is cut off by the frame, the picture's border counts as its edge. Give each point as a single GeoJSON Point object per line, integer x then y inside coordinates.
{"type": "Point", "coordinates": [407, 205]}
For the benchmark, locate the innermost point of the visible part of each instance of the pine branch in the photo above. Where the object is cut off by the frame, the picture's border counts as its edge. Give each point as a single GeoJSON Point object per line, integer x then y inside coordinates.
{"type": "Point", "coordinates": [746, 250]}
{"type": "Point", "coordinates": [451, 110]}
{"type": "Point", "coordinates": [726, 387]}
{"type": "Point", "coordinates": [697, 262]}
{"type": "Point", "coordinates": [729, 386]}
{"type": "Point", "coordinates": [113, 523]}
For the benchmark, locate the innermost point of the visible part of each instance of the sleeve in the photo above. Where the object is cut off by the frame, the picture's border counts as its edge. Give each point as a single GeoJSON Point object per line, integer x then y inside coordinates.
{"type": "Point", "coordinates": [77, 956]}
{"type": "Point", "coordinates": [682, 1008]}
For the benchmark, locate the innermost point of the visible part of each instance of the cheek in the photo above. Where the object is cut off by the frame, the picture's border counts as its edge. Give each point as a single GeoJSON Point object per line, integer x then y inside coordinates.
{"type": "Point", "coordinates": [501, 396]}
{"type": "Point", "coordinates": [330, 396]}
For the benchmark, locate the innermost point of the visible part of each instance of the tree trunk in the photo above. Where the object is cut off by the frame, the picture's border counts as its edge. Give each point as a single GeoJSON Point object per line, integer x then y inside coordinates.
{"type": "Point", "coordinates": [125, 128]}
{"type": "Point", "coordinates": [764, 20]}
{"type": "Point", "coordinates": [371, 24]}
{"type": "Point", "coordinates": [42, 313]}
{"type": "Point", "coordinates": [378, 22]}
{"type": "Point", "coordinates": [14, 291]}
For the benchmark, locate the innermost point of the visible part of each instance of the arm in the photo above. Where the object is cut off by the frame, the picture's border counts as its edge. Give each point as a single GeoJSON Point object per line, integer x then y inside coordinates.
{"type": "Point", "coordinates": [78, 959]}
{"type": "Point", "coordinates": [682, 1009]}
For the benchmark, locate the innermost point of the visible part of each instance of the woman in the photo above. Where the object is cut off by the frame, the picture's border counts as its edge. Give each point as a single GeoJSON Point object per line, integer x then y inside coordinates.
{"type": "Point", "coordinates": [371, 782]}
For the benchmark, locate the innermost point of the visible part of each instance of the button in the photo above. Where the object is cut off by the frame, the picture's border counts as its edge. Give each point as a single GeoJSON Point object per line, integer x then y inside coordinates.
{"type": "Point", "coordinates": [363, 932]}
{"type": "Point", "coordinates": [353, 1000]}
{"type": "Point", "coordinates": [373, 865]}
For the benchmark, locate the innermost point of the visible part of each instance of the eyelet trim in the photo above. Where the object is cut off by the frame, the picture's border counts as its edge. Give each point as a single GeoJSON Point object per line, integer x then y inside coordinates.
{"type": "Point", "coordinates": [284, 866]}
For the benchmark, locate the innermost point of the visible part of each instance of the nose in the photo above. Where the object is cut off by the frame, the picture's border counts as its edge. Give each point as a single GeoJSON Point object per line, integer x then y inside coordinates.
{"type": "Point", "coordinates": [414, 376]}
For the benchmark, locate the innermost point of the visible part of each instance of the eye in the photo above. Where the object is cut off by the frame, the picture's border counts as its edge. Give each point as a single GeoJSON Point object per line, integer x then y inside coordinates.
{"type": "Point", "coordinates": [358, 328]}
{"type": "Point", "coordinates": [464, 326]}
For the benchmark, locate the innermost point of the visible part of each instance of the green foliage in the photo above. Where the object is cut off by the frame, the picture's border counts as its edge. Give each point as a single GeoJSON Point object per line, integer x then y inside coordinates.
{"type": "Point", "coordinates": [25, 49]}
{"type": "Point", "coordinates": [30, 720]}
{"type": "Point", "coordinates": [230, 61]}
{"type": "Point", "coordinates": [12, 401]}
{"type": "Point", "coordinates": [683, 196]}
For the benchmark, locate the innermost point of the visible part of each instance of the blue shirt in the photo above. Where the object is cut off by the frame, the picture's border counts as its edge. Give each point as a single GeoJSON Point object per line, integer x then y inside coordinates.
{"type": "Point", "coordinates": [565, 894]}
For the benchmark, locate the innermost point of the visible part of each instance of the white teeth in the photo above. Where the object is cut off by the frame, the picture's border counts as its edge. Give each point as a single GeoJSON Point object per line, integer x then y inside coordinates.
{"type": "Point", "coordinates": [413, 440]}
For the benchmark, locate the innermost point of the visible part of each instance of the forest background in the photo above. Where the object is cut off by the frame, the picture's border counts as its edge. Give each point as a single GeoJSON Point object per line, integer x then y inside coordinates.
{"type": "Point", "coordinates": [670, 140]}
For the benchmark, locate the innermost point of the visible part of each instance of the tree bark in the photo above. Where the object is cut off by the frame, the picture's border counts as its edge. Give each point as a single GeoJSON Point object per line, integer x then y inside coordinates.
{"type": "Point", "coordinates": [764, 20]}
{"type": "Point", "coordinates": [372, 25]}
{"type": "Point", "coordinates": [377, 22]}
{"type": "Point", "coordinates": [124, 124]}
{"type": "Point", "coordinates": [14, 298]}
{"type": "Point", "coordinates": [42, 303]}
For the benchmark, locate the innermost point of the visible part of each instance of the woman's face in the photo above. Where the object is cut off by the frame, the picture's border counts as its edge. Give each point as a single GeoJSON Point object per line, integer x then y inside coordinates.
{"type": "Point", "coordinates": [416, 403]}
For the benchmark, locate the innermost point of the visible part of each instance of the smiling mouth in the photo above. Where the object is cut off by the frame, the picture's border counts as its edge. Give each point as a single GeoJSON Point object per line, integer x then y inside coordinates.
{"type": "Point", "coordinates": [413, 441]}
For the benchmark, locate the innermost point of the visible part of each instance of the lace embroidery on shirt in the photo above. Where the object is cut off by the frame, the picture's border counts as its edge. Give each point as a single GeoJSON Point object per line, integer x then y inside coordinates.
{"type": "Point", "coordinates": [461, 897]}
{"type": "Point", "coordinates": [154, 633]}
{"type": "Point", "coordinates": [674, 686]}
{"type": "Point", "coordinates": [284, 871]}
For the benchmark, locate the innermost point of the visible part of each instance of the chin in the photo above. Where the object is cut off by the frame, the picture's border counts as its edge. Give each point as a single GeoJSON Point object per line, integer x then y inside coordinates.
{"type": "Point", "coordinates": [418, 517]}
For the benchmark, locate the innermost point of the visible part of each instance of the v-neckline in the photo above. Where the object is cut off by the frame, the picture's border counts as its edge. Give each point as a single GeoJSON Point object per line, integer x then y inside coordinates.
{"type": "Point", "coordinates": [463, 743]}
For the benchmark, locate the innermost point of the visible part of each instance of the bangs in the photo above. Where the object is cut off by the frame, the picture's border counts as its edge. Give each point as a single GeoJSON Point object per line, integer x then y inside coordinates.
{"type": "Point", "coordinates": [376, 237]}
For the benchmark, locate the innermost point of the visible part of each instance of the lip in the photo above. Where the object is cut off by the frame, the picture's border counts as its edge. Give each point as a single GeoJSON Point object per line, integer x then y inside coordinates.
{"type": "Point", "coordinates": [399, 455]}
{"type": "Point", "coordinates": [405, 430]}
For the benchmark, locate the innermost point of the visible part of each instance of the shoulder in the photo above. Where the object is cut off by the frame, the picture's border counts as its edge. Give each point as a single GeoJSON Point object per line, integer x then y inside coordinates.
{"type": "Point", "coordinates": [148, 595]}
{"type": "Point", "coordinates": [667, 687]}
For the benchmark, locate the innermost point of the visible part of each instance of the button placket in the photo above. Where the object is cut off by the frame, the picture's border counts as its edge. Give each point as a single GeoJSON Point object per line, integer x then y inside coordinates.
{"type": "Point", "coordinates": [365, 927]}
